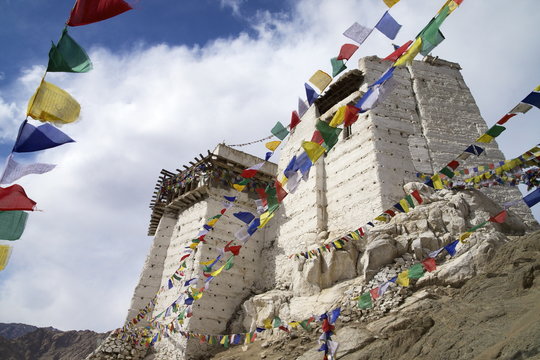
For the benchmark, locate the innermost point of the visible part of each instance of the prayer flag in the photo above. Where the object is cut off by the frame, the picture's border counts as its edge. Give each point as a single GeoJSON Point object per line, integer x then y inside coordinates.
{"type": "Point", "coordinates": [279, 131]}
{"type": "Point", "coordinates": [265, 218]}
{"type": "Point", "coordinates": [399, 207]}
{"type": "Point", "coordinates": [302, 107]}
{"type": "Point", "coordinates": [429, 264]}
{"type": "Point", "coordinates": [532, 99]}
{"type": "Point", "coordinates": [346, 51]}
{"type": "Point", "coordinates": [532, 198]}
{"type": "Point", "coordinates": [403, 278]}
{"type": "Point", "coordinates": [295, 120]}
{"type": "Point", "coordinates": [13, 170]}
{"type": "Point", "coordinates": [320, 79]}
{"type": "Point", "coordinates": [272, 145]}
{"type": "Point", "coordinates": [337, 66]}
{"type": "Point", "coordinates": [364, 302]}
{"type": "Point", "coordinates": [505, 118]}
{"type": "Point", "coordinates": [313, 150]}
{"type": "Point", "coordinates": [50, 103]}
{"type": "Point", "coordinates": [253, 226]}
{"type": "Point", "coordinates": [311, 94]}
{"type": "Point", "coordinates": [398, 52]}
{"type": "Point", "coordinates": [437, 183]}
{"type": "Point", "coordinates": [14, 198]}
{"type": "Point", "coordinates": [280, 192]}
{"type": "Point", "coordinates": [230, 263]}
{"type": "Point", "coordinates": [417, 196]}
{"type": "Point", "coordinates": [290, 169]}
{"type": "Point", "coordinates": [351, 115]}
{"type": "Point", "coordinates": [251, 171]}
{"type": "Point", "coordinates": [409, 55]}
{"type": "Point", "coordinates": [230, 198]}
{"type": "Point", "coordinates": [453, 164]}
{"type": "Point", "coordinates": [43, 137]}
{"type": "Point", "coordinates": [383, 288]}
{"type": "Point", "coordinates": [448, 172]}
{"type": "Point", "coordinates": [465, 236]}
{"type": "Point", "coordinates": [374, 293]}
{"type": "Point", "coordinates": [416, 271]}
{"type": "Point", "coordinates": [246, 217]}
{"type": "Point", "coordinates": [475, 150]}
{"type": "Point", "coordinates": [328, 133]}
{"type": "Point", "coordinates": [90, 11]}
{"type": "Point", "coordinates": [357, 32]}
{"type": "Point", "coordinates": [429, 44]}
{"type": "Point", "coordinates": [388, 26]}
{"type": "Point", "coordinates": [390, 3]}
{"type": "Point", "coordinates": [451, 248]}
{"type": "Point", "coordinates": [276, 322]}
{"type": "Point", "coordinates": [485, 139]}
{"type": "Point", "coordinates": [334, 315]}
{"type": "Point", "coordinates": [495, 130]}
{"type": "Point", "coordinates": [405, 205]}
{"type": "Point", "coordinates": [317, 137]}
{"type": "Point", "coordinates": [12, 224]}
{"type": "Point", "coordinates": [339, 117]}
{"type": "Point", "coordinates": [5, 252]}
{"type": "Point", "coordinates": [499, 218]}
{"type": "Point", "coordinates": [68, 56]}
{"type": "Point", "coordinates": [521, 108]}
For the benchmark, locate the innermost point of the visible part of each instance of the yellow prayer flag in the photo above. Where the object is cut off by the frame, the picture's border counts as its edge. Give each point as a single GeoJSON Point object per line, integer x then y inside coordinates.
{"type": "Point", "coordinates": [464, 236]}
{"type": "Point", "coordinates": [314, 151]}
{"type": "Point", "coordinates": [218, 271]}
{"type": "Point", "coordinates": [5, 252]}
{"type": "Point", "coordinates": [207, 262]}
{"type": "Point", "coordinates": [339, 117]}
{"type": "Point", "coordinates": [403, 278]}
{"type": "Point", "coordinates": [294, 324]}
{"type": "Point", "coordinates": [537, 88]}
{"type": "Point", "coordinates": [338, 244]}
{"type": "Point", "coordinates": [381, 218]}
{"type": "Point", "coordinates": [193, 245]}
{"type": "Point", "coordinates": [320, 79]}
{"type": "Point", "coordinates": [390, 3]}
{"type": "Point", "coordinates": [267, 323]}
{"type": "Point", "coordinates": [272, 145]}
{"type": "Point", "coordinates": [437, 183]}
{"type": "Point", "coordinates": [283, 180]}
{"type": "Point", "coordinates": [485, 139]}
{"type": "Point", "coordinates": [238, 187]}
{"type": "Point", "coordinates": [355, 236]}
{"type": "Point", "coordinates": [409, 55]}
{"type": "Point", "coordinates": [405, 205]}
{"type": "Point", "coordinates": [50, 103]}
{"type": "Point", "coordinates": [265, 218]}
{"type": "Point", "coordinates": [212, 222]}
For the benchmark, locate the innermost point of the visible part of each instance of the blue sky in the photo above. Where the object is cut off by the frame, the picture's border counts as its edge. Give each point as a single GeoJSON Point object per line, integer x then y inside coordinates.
{"type": "Point", "coordinates": [171, 79]}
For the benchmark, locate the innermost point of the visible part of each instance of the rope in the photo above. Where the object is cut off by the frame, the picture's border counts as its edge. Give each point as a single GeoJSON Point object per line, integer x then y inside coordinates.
{"type": "Point", "coordinates": [252, 142]}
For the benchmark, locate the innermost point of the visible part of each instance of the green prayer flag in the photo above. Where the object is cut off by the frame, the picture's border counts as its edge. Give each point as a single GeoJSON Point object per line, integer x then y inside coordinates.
{"type": "Point", "coordinates": [68, 56]}
{"type": "Point", "coordinates": [416, 271]}
{"type": "Point", "coordinates": [365, 301]}
{"type": "Point", "coordinates": [244, 182]}
{"type": "Point", "coordinates": [277, 322]}
{"type": "Point", "coordinates": [207, 268]}
{"type": "Point", "coordinates": [337, 66]}
{"type": "Point", "coordinates": [329, 134]}
{"type": "Point", "coordinates": [280, 131]}
{"type": "Point", "coordinates": [495, 130]}
{"type": "Point", "coordinates": [478, 226]}
{"type": "Point", "coordinates": [225, 341]}
{"type": "Point", "coordinates": [431, 42]}
{"type": "Point", "coordinates": [305, 325]}
{"type": "Point", "coordinates": [12, 224]}
{"type": "Point", "coordinates": [230, 262]}
{"type": "Point", "coordinates": [410, 200]}
{"type": "Point", "coordinates": [271, 198]}
{"type": "Point", "coordinates": [448, 172]}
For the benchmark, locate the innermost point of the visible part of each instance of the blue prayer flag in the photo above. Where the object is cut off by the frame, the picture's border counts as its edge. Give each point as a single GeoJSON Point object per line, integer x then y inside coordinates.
{"type": "Point", "coordinates": [533, 99]}
{"type": "Point", "coordinates": [230, 198]}
{"type": "Point", "coordinates": [311, 94]}
{"type": "Point", "coordinates": [475, 150]}
{"type": "Point", "coordinates": [334, 315]}
{"type": "Point", "coordinates": [387, 75]}
{"type": "Point", "coordinates": [451, 248]}
{"type": "Point", "coordinates": [253, 226]}
{"type": "Point", "coordinates": [246, 217]}
{"type": "Point", "coordinates": [532, 198]}
{"type": "Point", "coordinates": [43, 137]}
{"type": "Point", "coordinates": [289, 170]}
{"type": "Point", "coordinates": [388, 26]}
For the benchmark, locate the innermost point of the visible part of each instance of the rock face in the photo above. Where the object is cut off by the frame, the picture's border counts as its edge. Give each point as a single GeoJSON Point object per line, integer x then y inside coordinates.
{"type": "Point", "coordinates": [47, 343]}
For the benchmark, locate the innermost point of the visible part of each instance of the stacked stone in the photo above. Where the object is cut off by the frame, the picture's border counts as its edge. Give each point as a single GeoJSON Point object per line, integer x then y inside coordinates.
{"type": "Point", "coordinates": [114, 348]}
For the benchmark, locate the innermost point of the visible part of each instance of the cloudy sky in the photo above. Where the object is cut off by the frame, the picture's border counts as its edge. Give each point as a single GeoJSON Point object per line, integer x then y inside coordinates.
{"type": "Point", "coordinates": [172, 79]}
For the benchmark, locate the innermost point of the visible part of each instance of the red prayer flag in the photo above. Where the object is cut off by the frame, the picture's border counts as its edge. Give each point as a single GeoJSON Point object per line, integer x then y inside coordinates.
{"type": "Point", "coordinates": [280, 192]}
{"type": "Point", "coordinates": [317, 137]}
{"type": "Point", "coordinates": [248, 173]}
{"type": "Point", "coordinates": [374, 293]}
{"type": "Point", "coordinates": [351, 115]}
{"type": "Point", "coordinates": [281, 327]}
{"type": "Point", "coordinates": [14, 198]}
{"type": "Point", "coordinates": [505, 118]}
{"type": "Point", "coordinates": [90, 11]}
{"type": "Point", "coordinates": [347, 50]}
{"type": "Point", "coordinates": [499, 218]}
{"type": "Point", "coordinates": [429, 264]}
{"type": "Point", "coordinates": [453, 164]}
{"type": "Point", "coordinates": [295, 120]}
{"type": "Point", "coordinates": [262, 195]}
{"type": "Point", "coordinates": [390, 212]}
{"type": "Point", "coordinates": [399, 51]}
{"type": "Point", "coordinates": [417, 196]}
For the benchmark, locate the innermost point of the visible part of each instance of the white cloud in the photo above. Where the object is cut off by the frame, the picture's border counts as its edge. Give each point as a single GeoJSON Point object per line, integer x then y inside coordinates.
{"type": "Point", "coordinates": [157, 107]}
{"type": "Point", "coordinates": [233, 4]}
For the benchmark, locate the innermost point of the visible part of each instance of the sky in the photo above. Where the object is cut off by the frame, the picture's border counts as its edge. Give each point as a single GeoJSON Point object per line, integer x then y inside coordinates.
{"type": "Point", "coordinates": [172, 79]}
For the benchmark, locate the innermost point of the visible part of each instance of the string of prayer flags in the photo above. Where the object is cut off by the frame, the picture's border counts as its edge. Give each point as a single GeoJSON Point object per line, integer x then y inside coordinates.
{"type": "Point", "coordinates": [346, 51]}
{"type": "Point", "coordinates": [14, 198]}
{"type": "Point", "coordinates": [279, 131]}
{"type": "Point", "coordinates": [12, 224]}
{"type": "Point", "coordinates": [338, 66]}
{"type": "Point", "coordinates": [388, 26]}
{"type": "Point", "coordinates": [43, 137]}
{"type": "Point", "coordinates": [311, 94]}
{"type": "Point", "coordinates": [357, 33]}
{"type": "Point", "coordinates": [302, 107]}
{"type": "Point", "coordinates": [295, 120]}
{"type": "Point", "coordinates": [329, 134]}
{"type": "Point", "coordinates": [390, 3]}
{"type": "Point", "coordinates": [532, 198]}
{"type": "Point", "coordinates": [398, 52]}
{"type": "Point", "coordinates": [90, 11]}
{"type": "Point", "coordinates": [14, 170]}
{"type": "Point", "coordinates": [313, 150]}
{"type": "Point", "coordinates": [5, 252]}
{"type": "Point", "coordinates": [68, 56]}
{"type": "Point", "coordinates": [50, 103]}
{"type": "Point", "coordinates": [320, 80]}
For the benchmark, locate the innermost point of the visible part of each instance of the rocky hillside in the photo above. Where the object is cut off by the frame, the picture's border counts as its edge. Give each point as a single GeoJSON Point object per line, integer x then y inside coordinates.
{"type": "Point", "coordinates": [26, 342]}
{"type": "Point", "coordinates": [493, 315]}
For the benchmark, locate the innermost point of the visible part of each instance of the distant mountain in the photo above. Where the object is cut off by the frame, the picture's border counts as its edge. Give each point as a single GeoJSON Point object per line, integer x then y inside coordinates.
{"type": "Point", "coordinates": [26, 342]}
